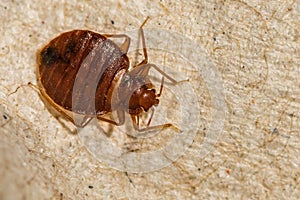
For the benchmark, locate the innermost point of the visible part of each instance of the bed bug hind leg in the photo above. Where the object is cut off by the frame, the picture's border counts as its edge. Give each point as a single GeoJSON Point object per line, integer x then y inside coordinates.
{"type": "Point", "coordinates": [77, 120]}
{"type": "Point", "coordinates": [126, 43]}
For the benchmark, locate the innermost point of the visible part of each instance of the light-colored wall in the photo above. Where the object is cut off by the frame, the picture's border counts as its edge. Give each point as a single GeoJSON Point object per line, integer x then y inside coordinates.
{"type": "Point", "coordinates": [255, 48]}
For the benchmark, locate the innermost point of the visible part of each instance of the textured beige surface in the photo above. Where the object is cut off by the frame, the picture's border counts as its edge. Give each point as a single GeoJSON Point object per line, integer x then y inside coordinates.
{"type": "Point", "coordinates": [255, 46]}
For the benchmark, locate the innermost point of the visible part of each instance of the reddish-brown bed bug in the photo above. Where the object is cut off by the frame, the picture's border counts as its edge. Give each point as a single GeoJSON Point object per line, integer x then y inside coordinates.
{"type": "Point", "coordinates": [86, 74]}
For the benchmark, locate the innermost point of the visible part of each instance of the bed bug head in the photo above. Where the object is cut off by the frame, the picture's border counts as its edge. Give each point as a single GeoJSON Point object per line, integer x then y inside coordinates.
{"type": "Point", "coordinates": [143, 98]}
{"type": "Point", "coordinates": [139, 94]}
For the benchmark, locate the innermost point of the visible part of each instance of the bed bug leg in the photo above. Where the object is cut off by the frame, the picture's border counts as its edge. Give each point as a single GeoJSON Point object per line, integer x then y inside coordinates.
{"type": "Point", "coordinates": [149, 121]}
{"type": "Point", "coordinates": [161, 86]}
{"type": "Point", "coordinates": [135, 119]}
{"type": "Point", "coordinates": [35, 87]}
{"type": "Point", "coordinates": [84, 120]}
{"type": "Point", "coordinates": [143, 70]}
{"type": "Point", "coordinates": [121, 116]}
{"type": "Point", "coordinates": [141, 33]}
{"type": "Point", "coordinates": [143, 67]}
{"type": "Point", "coordinates": [126, 43]}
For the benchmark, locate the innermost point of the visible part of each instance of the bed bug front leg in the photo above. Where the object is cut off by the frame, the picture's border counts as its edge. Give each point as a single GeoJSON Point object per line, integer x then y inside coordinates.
{"type": "Point", "coordinates": [141, 33]}
{"type": "Point", "coordinates": [135, 120]}
{"type": "Point", "coordinates": [121, 118]}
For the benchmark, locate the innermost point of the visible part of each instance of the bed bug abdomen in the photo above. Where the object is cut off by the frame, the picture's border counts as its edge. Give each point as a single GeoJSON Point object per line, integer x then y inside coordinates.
{"type": "Point", "coordinates": [77, 70]}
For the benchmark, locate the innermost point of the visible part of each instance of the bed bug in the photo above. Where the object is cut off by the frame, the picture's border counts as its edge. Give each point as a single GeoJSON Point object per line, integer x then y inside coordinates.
{"type": "Point", "coordinates": [86, 74]}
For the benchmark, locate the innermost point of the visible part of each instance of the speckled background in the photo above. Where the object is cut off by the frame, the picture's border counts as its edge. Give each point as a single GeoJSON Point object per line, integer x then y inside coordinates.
{"type": "Point", "coordinates": [254, 45]}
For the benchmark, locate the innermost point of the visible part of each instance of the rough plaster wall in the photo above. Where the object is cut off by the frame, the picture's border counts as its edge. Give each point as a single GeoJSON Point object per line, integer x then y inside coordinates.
{"type": "Point", "coordinates": [254, 45]}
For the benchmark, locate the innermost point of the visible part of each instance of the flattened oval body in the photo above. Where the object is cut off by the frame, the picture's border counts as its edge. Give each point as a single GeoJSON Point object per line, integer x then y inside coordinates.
{"type": "Point", "coordinates": [79, 69]}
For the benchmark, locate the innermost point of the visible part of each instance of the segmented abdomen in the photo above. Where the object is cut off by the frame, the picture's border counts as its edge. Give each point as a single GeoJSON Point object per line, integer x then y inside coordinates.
{"type": "Point", "coordinates": [77, 70]}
